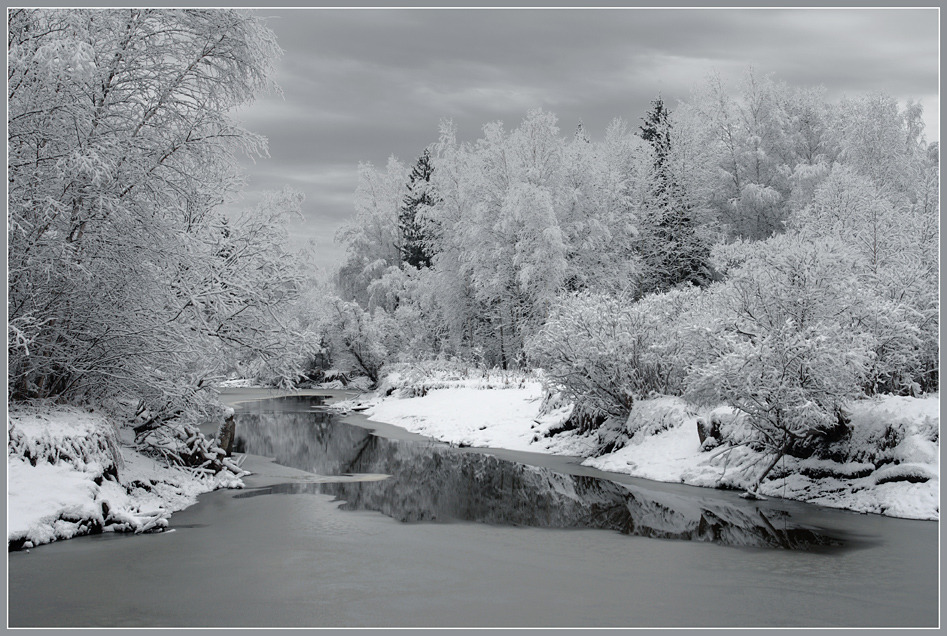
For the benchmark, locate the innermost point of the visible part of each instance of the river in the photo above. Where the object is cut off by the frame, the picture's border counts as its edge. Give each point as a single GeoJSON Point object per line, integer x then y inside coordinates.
{"type": "Point", "coordinates": [386, 529]}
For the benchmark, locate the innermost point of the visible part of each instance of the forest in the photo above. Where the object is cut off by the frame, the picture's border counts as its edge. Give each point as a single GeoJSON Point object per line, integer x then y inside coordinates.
{"type": "Point", "coordinates": [754, 245]}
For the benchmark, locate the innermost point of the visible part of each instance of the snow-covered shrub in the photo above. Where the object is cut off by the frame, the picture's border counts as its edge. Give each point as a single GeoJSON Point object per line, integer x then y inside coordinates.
{"type": "Point", "coordinates": [894, 246]}
{"type": "Point", "coordinates": [416, 379]}
{"type": "Point", "coordinates": [789, 354]}
{"type": "Point", "coordinates": [366, 339]}
{"type": "Point", "coordinates": [606, 351]}
{"type": "Point", "coordinates": [87, 442]}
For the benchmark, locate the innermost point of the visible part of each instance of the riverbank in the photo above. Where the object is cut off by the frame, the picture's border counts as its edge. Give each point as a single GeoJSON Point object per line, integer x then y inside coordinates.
{"type": "Point", "coordinates": [889, 465]}
{"type": "Point", "coordinates": [73, 472]}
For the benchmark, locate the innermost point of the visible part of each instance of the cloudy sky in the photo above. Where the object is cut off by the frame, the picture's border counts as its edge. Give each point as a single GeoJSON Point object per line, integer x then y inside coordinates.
{"type": "Point", "coordinates": [364, 84]}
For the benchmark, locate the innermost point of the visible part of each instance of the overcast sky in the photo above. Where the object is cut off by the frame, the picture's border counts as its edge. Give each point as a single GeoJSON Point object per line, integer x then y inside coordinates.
{"type": "Point", "coordinates": [364, 84]}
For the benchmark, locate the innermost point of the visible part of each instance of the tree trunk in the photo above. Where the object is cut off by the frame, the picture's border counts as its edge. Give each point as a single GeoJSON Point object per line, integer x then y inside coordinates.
{"type": "Point", "coordinates": [226, 433]}
{"type": "Point", "coordinates": [779, 454]}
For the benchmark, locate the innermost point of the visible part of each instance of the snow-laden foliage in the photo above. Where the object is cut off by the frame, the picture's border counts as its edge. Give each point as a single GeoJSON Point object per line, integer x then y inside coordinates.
{"type": "Point", "coordinates": [788, 351]}
{"type": "Point", "coordinates": [895, 247]}
{"type": "Point", "coordinates": [605, 352]}
{"type": "Point", "coordinates": [125, 276]}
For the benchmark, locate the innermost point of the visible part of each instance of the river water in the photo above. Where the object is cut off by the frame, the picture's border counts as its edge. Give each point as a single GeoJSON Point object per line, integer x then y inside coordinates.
{"type": "Point", "coordinates": [351, 528]}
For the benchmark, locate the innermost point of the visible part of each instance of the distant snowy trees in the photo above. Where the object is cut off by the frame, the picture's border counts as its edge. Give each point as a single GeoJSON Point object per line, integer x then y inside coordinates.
{"type": "Point", "coordinates": [508, 222]}
{"type": "Point", "coordinates": [125, 278]}
{"type": "Point", "coordinates": [760, 247]}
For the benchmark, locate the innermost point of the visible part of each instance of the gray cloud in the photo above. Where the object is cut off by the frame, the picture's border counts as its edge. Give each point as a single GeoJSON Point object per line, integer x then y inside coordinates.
{"type": "Point", "coordinates": [361, 85]}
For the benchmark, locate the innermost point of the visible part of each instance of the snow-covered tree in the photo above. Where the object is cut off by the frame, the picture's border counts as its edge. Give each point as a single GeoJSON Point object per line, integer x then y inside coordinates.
{"type": "Point", "coordinates": [600, 217]}
{"type": "Point", "coordinates": [499, 232]}
{"type": "Point", "coordinates": [883, 142]}
{"type": "Point", "coordinates": [745, 137]}
{"type": "Point", "coordinates": [672, 249]}
{"type": "Point", "coordinates": [372, 237]}
{"type": "Point", "coordinates": [788, 351]}
{"type": "Point", "coordinates": [125, 277]}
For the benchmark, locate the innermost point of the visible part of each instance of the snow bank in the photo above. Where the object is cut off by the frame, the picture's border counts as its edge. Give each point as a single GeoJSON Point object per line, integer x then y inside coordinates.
{"type": "Point", "coordinates": [500, 409]}
{"type": "Point", "coordinates": [889, 464]}
{"type": "Point", "coordinates": [239, 383]}
{"type": "Point", "coordinates": [72, 472]}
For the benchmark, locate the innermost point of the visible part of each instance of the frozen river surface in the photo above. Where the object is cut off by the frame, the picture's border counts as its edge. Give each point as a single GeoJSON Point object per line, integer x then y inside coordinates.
{"type": "Point", "coordinates": [409, 532]}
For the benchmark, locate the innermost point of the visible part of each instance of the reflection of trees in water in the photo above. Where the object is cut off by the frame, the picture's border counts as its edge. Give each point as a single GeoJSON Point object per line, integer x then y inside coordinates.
{"type": "Point", "coordinates": [433, 482]}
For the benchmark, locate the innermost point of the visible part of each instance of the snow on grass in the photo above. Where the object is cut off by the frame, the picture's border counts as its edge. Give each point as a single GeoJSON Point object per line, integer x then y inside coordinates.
{"type": "Point", "coordinates": [71, 472]}
{"type": "Point", "coordinates": [239, 383]}
{"type": "Point", "coordinates": [41, 497]}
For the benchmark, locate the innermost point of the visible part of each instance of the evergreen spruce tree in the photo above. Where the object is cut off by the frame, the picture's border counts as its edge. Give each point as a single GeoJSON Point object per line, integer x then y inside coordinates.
{"type": "Point", "coordinates": [673, 252]}
{"type": "Point", "coordinates": [580, 133]}
{"type": "Point", "coordinates": [415, 243]}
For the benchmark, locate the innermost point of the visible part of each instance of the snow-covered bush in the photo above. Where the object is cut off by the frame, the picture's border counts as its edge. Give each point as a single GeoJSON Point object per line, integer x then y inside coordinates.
{"type": "Point", "coordinates": [607, 351]}
{"type": "Point", "coordinates": [416, 379]}
{"type": "Point", "coordinates": [893, 243]}
{"type": "Point", "coordinates": [367, 340]}
{"type": "Point", "coordinates": [789, 354]}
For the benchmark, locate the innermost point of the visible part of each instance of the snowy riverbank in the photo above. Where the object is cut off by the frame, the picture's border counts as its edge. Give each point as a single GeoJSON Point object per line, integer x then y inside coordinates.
{"type": "Point", "coordinates": [72, 472]}
{"type": "Point", "coordinates": [889, 465]}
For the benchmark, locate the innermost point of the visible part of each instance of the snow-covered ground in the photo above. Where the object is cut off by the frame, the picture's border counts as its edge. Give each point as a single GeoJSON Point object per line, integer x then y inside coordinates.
{"type": "Point", "coordinates": [71, 472]}
{"type": "Point", "coordinates": [477, 416]}
{"type": "Point", "coordinates": [891, 464]}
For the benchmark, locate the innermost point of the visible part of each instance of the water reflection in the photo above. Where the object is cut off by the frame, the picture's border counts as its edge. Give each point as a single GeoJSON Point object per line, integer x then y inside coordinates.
{"type": "Point", "coordinates": [435, 482]}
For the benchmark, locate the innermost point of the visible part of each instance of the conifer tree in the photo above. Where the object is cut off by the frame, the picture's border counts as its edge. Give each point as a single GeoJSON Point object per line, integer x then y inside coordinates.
{"type": "Point", "coordinates": [672, 251]}
{"type": "Point", "coordinates": [415, 243]}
